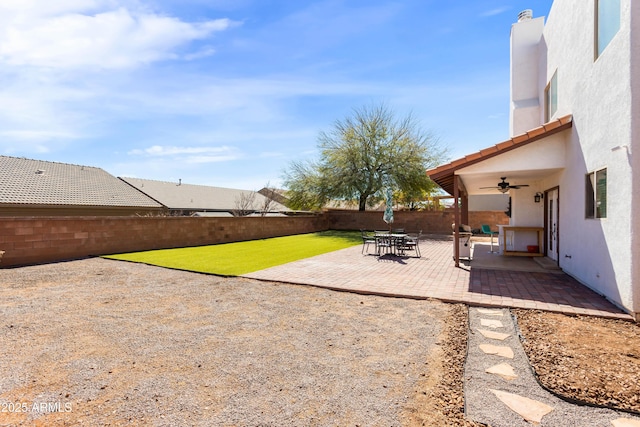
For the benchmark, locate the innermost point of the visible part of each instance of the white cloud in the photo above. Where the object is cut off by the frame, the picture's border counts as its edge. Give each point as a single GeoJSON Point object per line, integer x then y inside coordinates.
{"type": "Point", "coordinates": [67, 36]}
{"type": "Point", "coordinates": [210, 159]}
{"type": "Point", "coordinates": [496, 11]}
{"type": "Point", "coordinates": [50, 51]}
{"type": "Point", "coordinates": [35, 114]}
{"type": "Point", "coordinates": [268, 154]}
{"type": "Point", "coordinates": [190, 154]}
{"type": "Point", "coordinates": [36, 135]}
{"type": "Point", "coordinates": [44, 8]}
{"type": "Point", "coordinates": [202, 53]}
{"type": "Point", "coordinates": [158, 150]}
{"type": "Point", "coordinates": [257, 98]}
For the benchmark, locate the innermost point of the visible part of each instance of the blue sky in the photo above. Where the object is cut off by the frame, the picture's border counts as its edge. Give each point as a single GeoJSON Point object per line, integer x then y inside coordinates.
{"type": "Point", "coordinates": [229, 92]}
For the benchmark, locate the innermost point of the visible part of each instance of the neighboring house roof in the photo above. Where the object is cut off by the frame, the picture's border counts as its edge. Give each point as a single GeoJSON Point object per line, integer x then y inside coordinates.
{"type": "Point", "coordinates": [216, 214]}
{"type": "Point", "coordinates": [277, 194]}
{"type": "Point", "coordinates": [177, 195]}
{"type": "Point", "coordinates": [443, 175]}
{"type": "Point", "coordinates": [37, 182]}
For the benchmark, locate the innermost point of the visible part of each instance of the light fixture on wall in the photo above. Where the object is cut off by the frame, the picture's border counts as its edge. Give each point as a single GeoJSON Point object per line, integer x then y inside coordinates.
{"type": "Point", "coordinates": [538, 196]}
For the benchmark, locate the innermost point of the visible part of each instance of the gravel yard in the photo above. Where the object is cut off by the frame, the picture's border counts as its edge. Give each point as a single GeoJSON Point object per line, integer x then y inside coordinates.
{"type": "Point", "coordinates": [100, 342]}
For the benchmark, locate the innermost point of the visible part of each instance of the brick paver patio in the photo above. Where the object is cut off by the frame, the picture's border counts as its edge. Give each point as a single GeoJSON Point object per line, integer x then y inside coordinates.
{"type": "Point", "coordinates": [434, 275]}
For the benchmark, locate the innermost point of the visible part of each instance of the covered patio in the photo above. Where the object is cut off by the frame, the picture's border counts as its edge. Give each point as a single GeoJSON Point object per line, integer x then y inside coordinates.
{"type": "Point", "coordinates": [526, 167]}
{"type": "Point", "coordinates": [487, 280]}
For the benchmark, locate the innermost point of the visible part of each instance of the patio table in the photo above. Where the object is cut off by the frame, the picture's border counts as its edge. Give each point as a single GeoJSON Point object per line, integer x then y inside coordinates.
{"type": "Point", "coordinates": [391, 241]}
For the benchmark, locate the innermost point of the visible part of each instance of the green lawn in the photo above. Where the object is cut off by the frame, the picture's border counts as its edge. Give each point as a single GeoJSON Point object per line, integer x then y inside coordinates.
{"type": "Point", "coordinates": [234, 259]}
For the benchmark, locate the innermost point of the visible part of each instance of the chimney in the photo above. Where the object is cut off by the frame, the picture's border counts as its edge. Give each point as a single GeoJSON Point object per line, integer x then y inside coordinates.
{"type": "Point", "coordinates": [526, 36]}
{"type": "Point", "coordinates": [525, 15]}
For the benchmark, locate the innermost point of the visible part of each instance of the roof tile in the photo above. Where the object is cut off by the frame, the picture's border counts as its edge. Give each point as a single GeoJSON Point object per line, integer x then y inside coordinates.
{"type": "Point", "coordinates": [38, 182]}
{"type": "Point", "coordinates": [473, 156]}
{"type": "Point", "coordinates": [177, 195]}
{"type": "Point", "coordinates": [489, 150]}
{"type": "Point", "coordinates": [505, 144]}
{"type": "Point", "coordinates": [536, 132]}
{"type": "Point", "coordinates": [565, 119]}
{"type": "Point", "coordinates": [519, 139]}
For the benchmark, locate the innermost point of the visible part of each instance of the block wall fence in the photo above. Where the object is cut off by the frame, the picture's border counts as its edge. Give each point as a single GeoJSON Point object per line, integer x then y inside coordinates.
{"type": "Point", "coordinates": [37, 240]}
{"type": "Point", "coordinates": [430, 222]}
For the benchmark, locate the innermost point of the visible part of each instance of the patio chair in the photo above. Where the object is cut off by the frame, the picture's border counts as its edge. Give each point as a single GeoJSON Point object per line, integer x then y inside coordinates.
{"type": "Point", "coordinates": [487, 230]}
{"type": "Point", "coordinates": [367, 239]}
{"type": "Point", "coordinates": [383, 242]}
{"type": "Point", "coordinates": [412, 243]}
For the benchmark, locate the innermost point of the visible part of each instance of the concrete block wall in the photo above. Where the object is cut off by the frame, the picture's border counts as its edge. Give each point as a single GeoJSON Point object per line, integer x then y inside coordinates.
{"type": "Point", "coordinates": [491, 218]}
{"type": "Point", "coordinates": [430, 222]}
{"type": "Point", "coordinates": [35, 240]}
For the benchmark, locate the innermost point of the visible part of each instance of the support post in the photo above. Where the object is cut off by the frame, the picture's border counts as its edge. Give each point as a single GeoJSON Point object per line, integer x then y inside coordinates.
{"type": "Point", "coordinates": [464, 201]}
{"type": "Point", "coordinates": [456, 221]}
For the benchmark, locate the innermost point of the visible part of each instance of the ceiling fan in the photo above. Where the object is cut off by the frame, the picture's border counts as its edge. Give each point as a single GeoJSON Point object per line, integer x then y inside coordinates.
{"type": "Point", "coordinates": [504, 186]}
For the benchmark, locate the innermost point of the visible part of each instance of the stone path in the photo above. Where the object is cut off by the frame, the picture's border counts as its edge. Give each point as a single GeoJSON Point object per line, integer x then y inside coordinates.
{"type": "Point", "coordinates": [500, 389]}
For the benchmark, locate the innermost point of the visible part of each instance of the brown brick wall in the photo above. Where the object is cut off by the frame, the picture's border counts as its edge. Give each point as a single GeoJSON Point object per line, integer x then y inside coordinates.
{"type": "Point", "coordinates": [430, 222]}
{"type": "Point", "coordinates": [34, 240]}
{"type": "Point", "coordinates": [492, 218]}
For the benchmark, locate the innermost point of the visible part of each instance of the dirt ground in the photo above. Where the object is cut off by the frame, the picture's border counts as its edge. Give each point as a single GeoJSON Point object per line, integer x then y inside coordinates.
{"type": "Point", "coordinates": [108, 343]}
{"type": "Point", "coordinates": [588, 359]}
{"type": "Point", "coordinates": [99, 342]}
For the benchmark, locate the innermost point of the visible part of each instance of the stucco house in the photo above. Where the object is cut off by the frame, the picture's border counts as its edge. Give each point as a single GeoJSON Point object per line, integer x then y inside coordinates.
{"type": "Point", "coordinates": [41, 188]}
{"type": "Point", "coordinates": [572, 164]}
{"type": "Point", "coordinates": [202, 200]}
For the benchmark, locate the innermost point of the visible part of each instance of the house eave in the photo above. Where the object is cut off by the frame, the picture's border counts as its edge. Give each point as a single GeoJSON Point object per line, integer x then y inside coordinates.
{"type": "Point", "coordinates": [444, 175]}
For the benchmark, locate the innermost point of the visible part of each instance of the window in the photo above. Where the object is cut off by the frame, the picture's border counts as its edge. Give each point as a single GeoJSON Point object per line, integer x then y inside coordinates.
{"type": "Point", "coordinates": [551, 98]}
{"type": "Point", "coordinates": [596, 194]}
{"type": "Point", "coordinates": [607, 23]}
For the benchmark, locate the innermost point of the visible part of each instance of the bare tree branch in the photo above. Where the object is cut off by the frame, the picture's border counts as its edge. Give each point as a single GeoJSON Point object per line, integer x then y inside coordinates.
{"type": "Point", "coordinates": [268, 201]}
{"type": "Point", "coordinates": [244, 204]}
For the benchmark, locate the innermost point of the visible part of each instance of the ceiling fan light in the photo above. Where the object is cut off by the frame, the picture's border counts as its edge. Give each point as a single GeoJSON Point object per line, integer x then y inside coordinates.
{"type": "Point", "coordinates": [503, 190]}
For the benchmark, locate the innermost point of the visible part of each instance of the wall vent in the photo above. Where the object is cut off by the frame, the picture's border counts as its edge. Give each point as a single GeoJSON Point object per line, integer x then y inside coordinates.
{"type": "Point", "coordinates": [525, 15]}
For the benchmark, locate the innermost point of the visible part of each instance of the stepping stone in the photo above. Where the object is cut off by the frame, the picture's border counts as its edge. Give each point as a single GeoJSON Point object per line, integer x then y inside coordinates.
{"type": "Point", "coordinates": [490, 312]}
{"type": "Point", "coordinates": [625, 422]}
{"type": "Point", "coordinates": [491, 323]}
{"type": "Point", "coordinates": [494, 335]}
{"type": "Point", "coordinates": [503, 370]}
{"type": "Point", "coordinates": [497, 350]}
{"type": "Point", "coordinates": [529, 409]}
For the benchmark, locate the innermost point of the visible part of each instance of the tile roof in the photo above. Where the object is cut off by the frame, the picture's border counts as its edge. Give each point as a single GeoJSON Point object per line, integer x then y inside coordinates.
{"type": "Point", "coordinates": [176, 195]}
{"type": "Point", "coordinates": [38, 182]}
{"type": "Point", "coordinates": [443, 175]}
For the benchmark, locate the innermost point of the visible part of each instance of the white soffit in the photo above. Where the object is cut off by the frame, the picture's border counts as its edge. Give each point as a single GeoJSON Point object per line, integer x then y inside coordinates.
{"type": "Point", "coordinates": [530, 162]}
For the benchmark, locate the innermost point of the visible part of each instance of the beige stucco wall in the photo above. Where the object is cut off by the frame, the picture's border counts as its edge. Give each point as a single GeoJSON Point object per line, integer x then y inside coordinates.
{"type": "Point", "coordinates": [634, 154]}
{"type": "Point", "coordinates": [598, 93]}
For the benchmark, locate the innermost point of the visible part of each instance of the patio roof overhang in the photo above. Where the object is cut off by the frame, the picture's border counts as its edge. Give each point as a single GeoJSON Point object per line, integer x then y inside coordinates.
{"type": "Point", "coordinates": [483, 168]}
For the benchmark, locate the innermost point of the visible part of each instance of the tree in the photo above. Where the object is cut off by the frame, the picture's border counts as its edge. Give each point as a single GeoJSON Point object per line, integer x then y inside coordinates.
{"type": "Point", "coordinates": [268, 201]}
{"type": "Point", "coordinates": [361, 156]}
{"type": "Point", "coordinates": [244, 204]}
